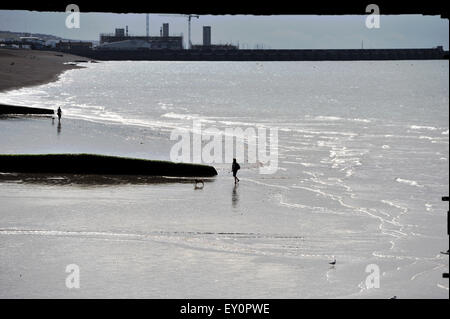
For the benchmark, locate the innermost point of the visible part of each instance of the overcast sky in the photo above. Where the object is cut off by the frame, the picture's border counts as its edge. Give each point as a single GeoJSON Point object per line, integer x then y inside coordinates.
{"type": "Point", "coordinates": [276, 32]}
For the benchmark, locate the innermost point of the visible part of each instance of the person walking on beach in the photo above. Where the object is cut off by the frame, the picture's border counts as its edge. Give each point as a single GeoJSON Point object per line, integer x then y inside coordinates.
{"type": "Point", "coordinates": [235, 167]}
{"type": "Point", "coordinates": [59, 112]}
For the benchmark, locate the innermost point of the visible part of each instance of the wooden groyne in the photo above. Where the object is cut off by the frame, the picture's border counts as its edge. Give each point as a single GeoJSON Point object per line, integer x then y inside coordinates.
{"type": "Point", "coordinates": [15, 109]}
{"type": "Point", "coordinates": [99, 165]}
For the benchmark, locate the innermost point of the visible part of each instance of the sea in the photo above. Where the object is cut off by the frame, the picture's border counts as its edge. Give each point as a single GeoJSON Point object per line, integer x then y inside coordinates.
{"type": "Point", "coordinates": [362, 157]}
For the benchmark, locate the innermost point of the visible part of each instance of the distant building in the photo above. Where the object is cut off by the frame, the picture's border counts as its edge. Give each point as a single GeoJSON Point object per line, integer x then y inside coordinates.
{"type": "Point", "coordinates": [164, 41]}
{"type": "Point", "coordinates": [120, 32]}
{"type": "Point", "coordinates": [165, 30]}
{"type": "Point", "coordinates": [215, 47]}
{"type": "Point", "coordinates": [207, 42]}
{"type": "Point", "coordinates": [125, 45]}
{"type": "Point", "coordinates": [206, 35]}
{"type": "Point", "coordinates": [32, 40]}
{"type": "Point", "coordinates": [69, 45]}
{"type": "Point", "coordinates": [51, 43]}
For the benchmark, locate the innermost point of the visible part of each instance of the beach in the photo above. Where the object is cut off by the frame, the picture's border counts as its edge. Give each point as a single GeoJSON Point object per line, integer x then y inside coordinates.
{"type": "Point", "coordinates": [362, 166]}
{"type": "Point", "coordinates": [22, 68]}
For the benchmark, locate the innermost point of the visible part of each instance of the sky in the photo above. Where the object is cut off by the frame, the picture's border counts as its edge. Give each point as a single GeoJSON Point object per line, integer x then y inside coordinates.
{"type": "Point", "coordinates": [274, 32]}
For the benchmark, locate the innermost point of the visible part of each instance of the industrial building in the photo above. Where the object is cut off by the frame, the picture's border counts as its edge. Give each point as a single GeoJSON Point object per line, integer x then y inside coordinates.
{"type": "Point", "coordinates": [121, 40]}
{"type": "Point", "coordinates": [165, 47]}
{"type": "Point", "coordinates": [69, 45]}
{"type": "Point", "coordinates": [126, 45]}
{"type": "Point", "coordinates": [206, 35]}
{"type": "Point", "coordinates": [165, 30]}
{"type": "Point", "coordinates": [207, 42]}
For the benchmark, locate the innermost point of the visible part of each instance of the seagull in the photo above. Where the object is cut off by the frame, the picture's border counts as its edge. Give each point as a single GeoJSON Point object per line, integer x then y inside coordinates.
{"type": "Point", "coordinates": [395, 297]}
{"type": "Point", "coordinates": [333, 262]}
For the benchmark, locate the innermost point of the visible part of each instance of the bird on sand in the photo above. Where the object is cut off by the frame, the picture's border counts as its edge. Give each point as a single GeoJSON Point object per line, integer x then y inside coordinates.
{"type": "Point", "coordinates": [333, 262]}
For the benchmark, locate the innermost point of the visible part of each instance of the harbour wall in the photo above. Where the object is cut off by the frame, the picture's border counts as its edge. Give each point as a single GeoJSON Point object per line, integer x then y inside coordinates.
{"type": "Point", "coordinates": [263, 55]}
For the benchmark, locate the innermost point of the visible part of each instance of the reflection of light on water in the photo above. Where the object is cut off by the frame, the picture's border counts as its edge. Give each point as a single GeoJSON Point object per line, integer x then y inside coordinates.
{"type": "Point", "coordinates": [340, 162]}
{"type": "Point", "coordinates": [235, 196]}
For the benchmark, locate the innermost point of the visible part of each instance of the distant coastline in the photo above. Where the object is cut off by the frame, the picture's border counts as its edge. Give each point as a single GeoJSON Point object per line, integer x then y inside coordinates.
{"type": "Point", "coordinates": [22, 68]}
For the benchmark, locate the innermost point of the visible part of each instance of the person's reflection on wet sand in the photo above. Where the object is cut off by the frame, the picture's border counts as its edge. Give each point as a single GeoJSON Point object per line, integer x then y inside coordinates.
{"type": "Point", "coordinates": [235, 196]}
{"type": "Point", "coordinates": [59, 128]}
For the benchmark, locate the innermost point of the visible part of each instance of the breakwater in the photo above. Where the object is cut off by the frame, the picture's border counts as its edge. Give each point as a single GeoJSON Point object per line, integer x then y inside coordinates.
{"type": "Point", "coordinates": [99, 164]}
{"type": "Point", "coordinates": [15, 109]}
{"type": "Point", "coordinates": [263, 55]}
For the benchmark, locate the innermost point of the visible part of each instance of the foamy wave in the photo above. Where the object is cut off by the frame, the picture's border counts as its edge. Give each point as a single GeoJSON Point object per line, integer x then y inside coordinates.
{"type": "Point", "coordinates": [418, 127]}
{"type": "Point", "coordinates": [179, 116]}
{"type": "Point", "coordinates": [111, 117]}
{"type": "Point", "coordinates": [409, 182]}
{"type": "Point", "coordinates": [328, 118]}
{"type": "Point", "coordinates": [165, 106]}
{"type": "Point", "coordinates": [233, 123]}
{"type": "Point", "coordinates": [360, 120]}
{"type": "Point", "coordinates": [189, 117]}
{"type": "Point", "coordinates": [445, 133]}
{"type": "Point", "coordinates": [336, 118]}
{"type": "Point", "coordinates": [308, 164]}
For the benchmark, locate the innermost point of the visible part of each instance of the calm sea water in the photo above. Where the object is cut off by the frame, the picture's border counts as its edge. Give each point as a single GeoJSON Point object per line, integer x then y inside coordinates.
{"type": "Point", "coordinates": [363, 163]}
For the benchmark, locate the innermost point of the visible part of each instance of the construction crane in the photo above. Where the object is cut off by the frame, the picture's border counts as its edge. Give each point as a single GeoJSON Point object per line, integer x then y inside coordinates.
{"type": "Point", "coordinates": [189, 16]}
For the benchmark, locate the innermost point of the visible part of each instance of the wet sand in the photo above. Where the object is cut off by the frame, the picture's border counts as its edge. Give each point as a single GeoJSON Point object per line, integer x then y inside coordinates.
{"type": "Point", "coordinates": [141, 238]}
{"type": "Point", "coordinates": [269, 237]}
{"type": "Point", "coordinates": [22, 68]}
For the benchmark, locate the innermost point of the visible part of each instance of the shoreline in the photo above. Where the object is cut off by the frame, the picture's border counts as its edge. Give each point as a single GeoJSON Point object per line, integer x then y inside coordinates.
{"type": "Point", "coordinates": [24, 68]}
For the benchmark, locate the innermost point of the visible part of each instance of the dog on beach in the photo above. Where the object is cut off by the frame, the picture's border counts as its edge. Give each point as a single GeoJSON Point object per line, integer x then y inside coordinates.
{"type": "Point", "coordinates": [197, 182]}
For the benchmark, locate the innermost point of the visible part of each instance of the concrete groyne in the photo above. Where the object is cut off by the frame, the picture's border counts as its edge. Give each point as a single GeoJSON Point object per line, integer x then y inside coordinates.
{"type": "Point", "coordinates": [100, 165]}
{"type": "Point", "coordinates": [6, 109]}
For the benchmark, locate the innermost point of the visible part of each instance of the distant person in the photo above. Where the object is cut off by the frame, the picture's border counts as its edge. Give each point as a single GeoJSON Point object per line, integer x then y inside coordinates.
{"type": "Point", "coordinates": [235, 167]}
{"type": "Point", "coordinates": [59, 112]}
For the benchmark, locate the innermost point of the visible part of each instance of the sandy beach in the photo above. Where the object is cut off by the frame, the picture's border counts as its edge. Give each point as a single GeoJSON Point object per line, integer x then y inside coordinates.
{"type": "Point", "coordinates": [23, 68]}
{"type": "Point", "coordinates": [360, 179]}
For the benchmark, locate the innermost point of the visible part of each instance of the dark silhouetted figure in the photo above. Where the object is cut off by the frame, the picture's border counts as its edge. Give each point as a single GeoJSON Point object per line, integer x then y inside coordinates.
{"type": "Point", "coordinates": [235, 167]}
{"type": "Point", "coordinates": [59, 112]}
